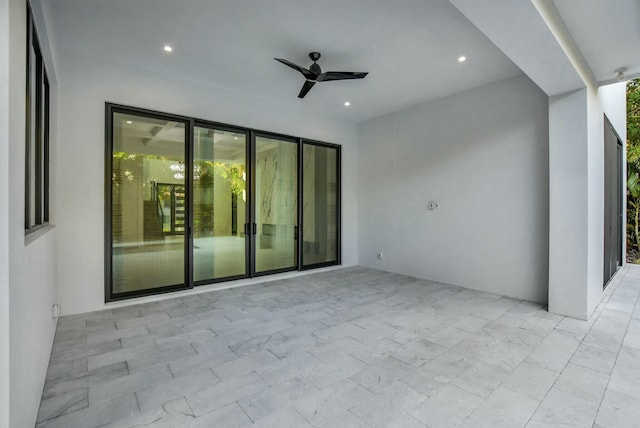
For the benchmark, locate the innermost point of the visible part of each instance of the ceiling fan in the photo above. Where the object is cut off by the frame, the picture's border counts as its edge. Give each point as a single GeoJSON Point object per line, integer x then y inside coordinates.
{"type": "Point", "coordinates": [315, 75]}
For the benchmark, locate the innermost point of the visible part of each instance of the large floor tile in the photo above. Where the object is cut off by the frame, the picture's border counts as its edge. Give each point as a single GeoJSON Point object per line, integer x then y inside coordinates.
{"type": "Point", "coordinates": [349, 348]}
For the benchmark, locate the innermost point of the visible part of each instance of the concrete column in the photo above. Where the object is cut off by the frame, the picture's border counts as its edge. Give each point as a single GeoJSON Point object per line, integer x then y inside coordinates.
{"type": "Point", "coordinates": [568, 204]}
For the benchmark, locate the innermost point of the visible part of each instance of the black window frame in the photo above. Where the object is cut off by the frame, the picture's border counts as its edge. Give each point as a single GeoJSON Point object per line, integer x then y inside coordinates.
{"type": "Point", "coordinates": [41, 112]}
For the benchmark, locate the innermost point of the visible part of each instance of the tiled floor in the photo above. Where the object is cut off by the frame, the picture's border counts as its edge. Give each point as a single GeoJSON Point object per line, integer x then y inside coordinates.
{"type": "Point", "coordinates": [348, 348]}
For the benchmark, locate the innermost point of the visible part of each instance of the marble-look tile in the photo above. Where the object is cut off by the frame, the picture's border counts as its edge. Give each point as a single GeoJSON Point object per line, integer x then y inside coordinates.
{"type": "Point", "coordinates": [141, 321]}
{"type": "Point", "coordinates": [407, 421]}
{"type": "Point", "coordinates": [244, 365]}
{"type": "Point", "coordinates": [225, 392]}
{"type": "Point", "coordinates": [323, 406]}
{"type": "Point", "coordinates": [563, 409]}
{"type": "Point", "coordinates": [424, 381]}
{"type": "Point", "coordinates": [61, 353]}
{"type": "Point", "coordinates": [67, 368]}
{"type": "Point", "coordinates": [158, 394]}
{"type": "Point", "coordinates": [94, 339]}
{"type": "Point", "coordinates": [632, 338]}
{"type": "Point", "coordinates": [71, 383]}
{"type": "Point", "coordinates": [448, 365]}
{"type": "Point", "coordinates": [120, 355]}
{"type": "Point", "coordinates": [618, 410]}
{"type": "Point", "coordinates": [504, 408]}
{"type": "Point", "coordinates": [388, 405]}
{"type": "Point", "coordinates": [447, 408]}
{"type": "Point", "coordinates": [119, 407]}
{"type": "Point", "coordinates": [298, 365]}
{"type": "Point", "coordinates": [594, 358]}
{"type": "Point", "coordinates": [270, 400]}
{"type": "Point", "coordinates": [583, 383]}
{"type": "Point", "coordinates": [625, 380]}
{"type": "Point", "coordinates": [579, 328]}
{"type": "Point", "coordinates": [606, 334]}
{"type": "Point", "coordinates": [105, 391]}
{"type": "Point", "coordinates": [346, 420]}
{"type": "Point", "coordinates": [419, 352]}
{"type": "Point", "coordinates": [555, 351]}
{"type": "Point", "coordinates": [628, 357]}
{"type": "Point", "coordinates": [62, 404]}
{"type": "Point", "coordinates": [175, 413]}
{"type": "Point", "coordinates": [204, 359]}
{"type": "Point", "coordinates": [328, 374]}
{"type": "Point", "coordinates": [159, 358]}
{"type": "Point", "coordinates": [291, 353]}
{"type": "Point", "coordinates": [481, 378]}
{"type": "Point", "coordinates": [230, 416]}
{"type": "Point", "coordinates": [283, 418]}
{"type": "Point", "coordinates": [381, 375]}
{"type": "Point", "coordinates": [531, 380]}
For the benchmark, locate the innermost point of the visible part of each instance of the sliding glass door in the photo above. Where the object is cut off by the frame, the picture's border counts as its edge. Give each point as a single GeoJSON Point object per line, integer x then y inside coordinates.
{"type": "Point", "coordinates": [219, 204]}
{"type": "Point", "coordinates": [320, 204]}
{"type": "Point", "coordinates": [147, 241]}
{"type": "Point", "coordinates": [276, 204]}
{"type": "Point", "coordinates": [190, 202]}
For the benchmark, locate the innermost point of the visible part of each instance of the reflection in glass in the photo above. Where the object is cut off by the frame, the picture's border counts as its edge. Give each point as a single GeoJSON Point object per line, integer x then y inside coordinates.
{"type": "Point", "coordinates": [33, 136]}
{"type": "Point", "coordinates": [219, 204]}
{"type": "Point", "coordinates": [276, 204]}
{"type": "Point", "coordinates": [320, 204]}
{"type": "Point", "coordinates": [148, 190]}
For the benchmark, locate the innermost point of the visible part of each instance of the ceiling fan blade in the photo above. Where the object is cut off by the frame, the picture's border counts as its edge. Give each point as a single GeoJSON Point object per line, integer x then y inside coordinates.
{"type": "Point", "coordinates": [307, 74]}
{"type": "Point", "coordinates": [306, 88]}
{"type": "Point", "coordinates": [340, 75]}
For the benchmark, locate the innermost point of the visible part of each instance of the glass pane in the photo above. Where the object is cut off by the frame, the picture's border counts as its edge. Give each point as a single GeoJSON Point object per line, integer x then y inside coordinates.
{"type": "Point", "coordinates": [320, 204]}
{"type": "Point", "coordinates": [219, 204]}
{"type": "Point", "coordinates": [148, 192]}
{"type": "Point", "coordinates": [276, 204]}
{"type": "Point", "coordinates": [43, 150]}
{"type": "Point", "coordinates": [33, 136]}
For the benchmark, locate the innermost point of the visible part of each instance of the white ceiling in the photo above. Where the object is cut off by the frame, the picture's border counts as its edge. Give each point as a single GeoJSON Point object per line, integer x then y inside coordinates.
{"type": "Point", "coordinates": [409, 47]}
{"type": "Point", "coordinates": [607, 33]}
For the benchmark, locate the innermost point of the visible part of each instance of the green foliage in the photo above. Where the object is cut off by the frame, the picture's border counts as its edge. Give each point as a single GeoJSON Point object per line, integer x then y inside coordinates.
{"type": "Point", "coordinates": [633, 170]}
{"type": "Point", "coordinates": [229, 171]}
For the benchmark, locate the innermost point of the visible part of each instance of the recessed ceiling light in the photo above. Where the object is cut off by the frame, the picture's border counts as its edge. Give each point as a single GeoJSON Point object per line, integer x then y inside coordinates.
{"type": "Point", "coordinates": [129, 122]}
{"type": "Point", "coordinates": [168, 48]}
{"type": "Point", "coordinates": [462, 58]}
{"type": "Point", "coordinates": [347, 103]}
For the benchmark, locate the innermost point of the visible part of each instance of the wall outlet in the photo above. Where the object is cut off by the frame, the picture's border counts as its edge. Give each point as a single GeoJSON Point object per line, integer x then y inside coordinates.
{"type": "Point", "coordinates": [432, 205]}
{"type": "Point", "coordinates": [380, 255]}
{"type": "Point", "coordinates": [56, 311]}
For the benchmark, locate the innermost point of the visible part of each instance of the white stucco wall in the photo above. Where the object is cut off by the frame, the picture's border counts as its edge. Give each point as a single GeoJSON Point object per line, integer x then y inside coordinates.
{"type": "Point", "coordinates": [32, 266]}
{"type": "Point", "coordinates": [568, 233]}
{"type": "Point", "coordinates": [483, 155]}
{"type": "Point", "coordinates": [5, 390]}
{"type": "Point", "coordinates": [85, 85]}
{"type": "Point", "coordinates": [576, 123]}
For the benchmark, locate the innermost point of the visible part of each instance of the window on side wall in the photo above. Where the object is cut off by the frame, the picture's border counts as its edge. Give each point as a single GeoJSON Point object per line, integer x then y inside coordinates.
{"type": "Point", "coordinates": [36, 134]}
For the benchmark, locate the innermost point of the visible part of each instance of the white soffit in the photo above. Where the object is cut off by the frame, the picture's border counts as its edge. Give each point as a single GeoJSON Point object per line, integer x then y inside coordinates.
{"type": "Point", "coordinates": [607, 33]}
{"type": "Point", "coordinates": [409, 47]}
{"type": "Point", "coordinates": [518, 29]}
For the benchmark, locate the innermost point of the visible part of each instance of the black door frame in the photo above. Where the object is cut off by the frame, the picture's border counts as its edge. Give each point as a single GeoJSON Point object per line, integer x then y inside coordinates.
{"type": "Point", "coordinates": [250, 226]}
{"type": "Point", "coordinates": [338, 259]}
{"type": "Point", "coordinates": [254, 226]}
{"type": "Point", "coordinates": [247, 245]}
{"type": "Point", "coordinates": [110, 110]}
{"type": "Point", "coordinates": [613, 216]}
